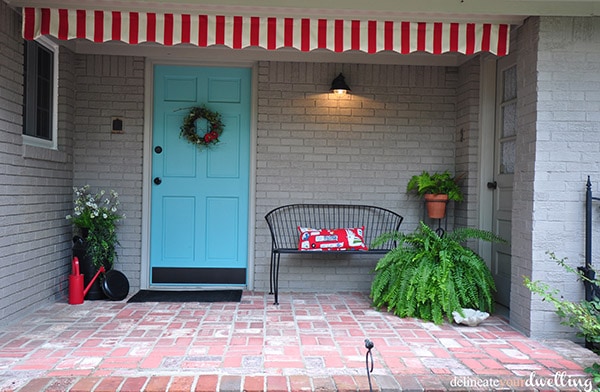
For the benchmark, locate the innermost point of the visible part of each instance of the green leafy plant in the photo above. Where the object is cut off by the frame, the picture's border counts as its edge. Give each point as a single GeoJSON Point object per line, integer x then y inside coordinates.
{"type": "Point", "coordinates": [429, 276]}
{"type": "Point", "coordinates": [583, 316]}
{"type": "Point", "coordinates": [594, 371]}
{"type": "Point", "coordinates": [96, 217]}
{"type": "Point", "coordinates": [436, 183]}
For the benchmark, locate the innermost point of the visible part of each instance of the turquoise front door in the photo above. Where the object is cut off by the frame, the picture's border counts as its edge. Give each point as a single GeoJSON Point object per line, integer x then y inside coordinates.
{"type": "Point", "coordinates": [199, 196]}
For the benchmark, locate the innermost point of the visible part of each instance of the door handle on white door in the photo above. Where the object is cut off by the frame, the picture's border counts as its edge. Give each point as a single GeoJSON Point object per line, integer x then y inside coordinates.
{"type": "Point", "coordinates": [492, 185]}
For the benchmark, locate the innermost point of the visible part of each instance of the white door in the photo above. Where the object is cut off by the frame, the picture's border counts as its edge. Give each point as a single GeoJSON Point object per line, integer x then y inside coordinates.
{"type": "Point", "coordinates": [504, 168]}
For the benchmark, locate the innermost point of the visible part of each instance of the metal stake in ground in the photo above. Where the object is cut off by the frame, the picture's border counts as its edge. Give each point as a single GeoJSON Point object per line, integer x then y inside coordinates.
{"type": "Point", "coordinates": [369, 345]}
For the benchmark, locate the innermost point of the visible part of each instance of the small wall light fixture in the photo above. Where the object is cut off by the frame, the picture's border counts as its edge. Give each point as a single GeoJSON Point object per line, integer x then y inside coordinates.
{"type": "Point", "coordinates": [339, 86]}
{"type": "Point", "coordinates": [117, 125]}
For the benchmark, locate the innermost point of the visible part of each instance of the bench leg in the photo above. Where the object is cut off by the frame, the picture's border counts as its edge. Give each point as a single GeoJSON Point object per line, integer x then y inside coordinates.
{"type": "Point", "coordinates": [271, 272]}
{"type": "Point", "coordinates": [276, 279]}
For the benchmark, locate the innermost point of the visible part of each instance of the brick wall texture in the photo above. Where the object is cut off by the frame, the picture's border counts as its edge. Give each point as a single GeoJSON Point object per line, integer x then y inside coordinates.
{"type": "Point", "coordinates": [35, 189]}
{"type": "Point", "coordinates": [558, 147]}
{"type": "Point", "coordinates": [360, 148]}
{"type": "Point", "coordinates": [312, 146]}
{"type": "Point", "coordinates": [466, 138]}
{"type": "Point", "coordinates": [113, 87]}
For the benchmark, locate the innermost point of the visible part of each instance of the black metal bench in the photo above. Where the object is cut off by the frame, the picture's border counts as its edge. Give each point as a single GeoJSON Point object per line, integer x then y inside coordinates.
{"type": "Point", "coordinates": [284, 222]}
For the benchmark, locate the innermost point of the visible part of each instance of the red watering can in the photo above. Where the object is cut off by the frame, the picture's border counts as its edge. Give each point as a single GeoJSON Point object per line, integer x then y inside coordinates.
{"type": "Point", "coordinates": [76, 290]}
{"type": "Point", "coordinates": [115, 285]}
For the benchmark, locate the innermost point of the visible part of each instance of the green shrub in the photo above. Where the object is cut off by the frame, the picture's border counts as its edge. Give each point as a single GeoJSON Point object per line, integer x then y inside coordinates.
{"type": "Point", "coordinates": [429, 276]}
{"type": "Point", "coordinates": [583, 316]}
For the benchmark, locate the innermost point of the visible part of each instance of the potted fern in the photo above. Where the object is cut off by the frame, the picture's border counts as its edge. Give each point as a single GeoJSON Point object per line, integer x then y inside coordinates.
{"type": "Point", "coordinates": [429, 276]}
{"type": "Point", "coordinates": [436, 189]}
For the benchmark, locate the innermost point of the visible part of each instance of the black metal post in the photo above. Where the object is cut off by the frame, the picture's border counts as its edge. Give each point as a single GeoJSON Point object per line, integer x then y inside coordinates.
{"type": "Point", "coordinates": [369, 345]}
{"type": "Point", "coordinates": [588, 223]}
{"type": "Point", "coordinates": [591, 289]}
{"type": "Point", "coordinates": [587, 270]}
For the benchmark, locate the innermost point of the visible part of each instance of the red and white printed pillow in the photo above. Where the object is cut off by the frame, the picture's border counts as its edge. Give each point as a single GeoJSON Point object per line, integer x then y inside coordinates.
{"type": "Point", "coordinates": [331, 239]}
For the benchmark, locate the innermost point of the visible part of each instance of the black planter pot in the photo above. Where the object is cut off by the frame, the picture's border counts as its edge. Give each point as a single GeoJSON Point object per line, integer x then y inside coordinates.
{"type": "Point", "coordinates": [88, 269]}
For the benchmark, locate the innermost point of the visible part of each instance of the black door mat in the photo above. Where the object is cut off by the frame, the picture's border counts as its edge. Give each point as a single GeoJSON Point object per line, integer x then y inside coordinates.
{"type": "Point", "coordinates": [187, 296]}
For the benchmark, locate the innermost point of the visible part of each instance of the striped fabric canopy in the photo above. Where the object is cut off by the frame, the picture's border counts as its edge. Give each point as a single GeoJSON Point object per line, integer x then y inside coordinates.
{"type": "Point", "coordinates": [271, 33]}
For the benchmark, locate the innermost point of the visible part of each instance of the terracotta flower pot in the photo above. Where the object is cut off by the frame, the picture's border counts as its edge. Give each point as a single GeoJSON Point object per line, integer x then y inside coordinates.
{"type": "Point", "coordinates": [436, 205]}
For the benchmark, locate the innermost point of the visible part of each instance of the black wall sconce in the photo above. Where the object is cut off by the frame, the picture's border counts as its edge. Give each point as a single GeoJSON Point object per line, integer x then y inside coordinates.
{"type": "Point", "coordinates": [117, 125]}
{"type": "Point", "coordinates": [339, 86]}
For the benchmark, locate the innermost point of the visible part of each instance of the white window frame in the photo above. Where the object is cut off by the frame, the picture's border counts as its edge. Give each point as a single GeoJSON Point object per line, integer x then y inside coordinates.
{"type": "Point", "coordinates": [36, 141]}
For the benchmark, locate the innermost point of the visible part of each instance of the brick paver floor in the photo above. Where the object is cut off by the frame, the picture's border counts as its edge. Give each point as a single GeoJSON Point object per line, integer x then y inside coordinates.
{"type": "Point", "coordinates": [310, 342]}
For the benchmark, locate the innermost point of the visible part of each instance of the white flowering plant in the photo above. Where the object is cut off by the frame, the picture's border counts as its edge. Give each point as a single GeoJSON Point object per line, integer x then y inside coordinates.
{"type": "Point", "coordinates": [96, 217]}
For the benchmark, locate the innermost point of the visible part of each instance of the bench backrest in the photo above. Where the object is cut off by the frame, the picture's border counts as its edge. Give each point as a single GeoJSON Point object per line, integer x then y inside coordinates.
{"type": "Point", "coordinates": [284, 221]}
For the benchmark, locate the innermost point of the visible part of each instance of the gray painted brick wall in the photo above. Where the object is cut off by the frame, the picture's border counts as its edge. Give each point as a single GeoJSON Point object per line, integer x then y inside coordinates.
{"type": "Point", "coordinates": [523, 193]}
{"type": "Point", "coordinates": [310, 147]}
{"type": "Point", "coordinates": [467, 142]}
{"type": "Point", "coordinates": [559, 105]}
{"type": "Point", "coordinates": [107, 87]}
{"type": "Point", "coordinates": [358, 149]}
{"type": "Point", "coordinates": [567, 150]}
{"type": "Point", "coordinates": [35, 189]}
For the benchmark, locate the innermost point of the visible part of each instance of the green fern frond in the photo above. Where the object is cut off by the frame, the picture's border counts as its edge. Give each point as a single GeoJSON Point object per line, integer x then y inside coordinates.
{"type": "Point", "coordinates": [429, 276]}
{"type": "Point", "coordinates": [462, 234]}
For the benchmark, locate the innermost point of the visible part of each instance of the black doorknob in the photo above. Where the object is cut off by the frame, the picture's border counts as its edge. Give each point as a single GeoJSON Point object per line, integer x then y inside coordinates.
{"type": "Point", "coordinates": [157, 180]}
{"type": "Point", "coordinates": [158, 149]}
{"type": "Point", "coordinates": [492, 185]}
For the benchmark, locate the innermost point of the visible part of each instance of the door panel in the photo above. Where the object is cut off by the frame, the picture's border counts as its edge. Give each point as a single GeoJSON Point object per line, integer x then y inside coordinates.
{"type": "Point", "coordinates": [182, 164]}
{"type": "Point", "coordinates": [179, 231]}
{"type": "Point", "coordinates": [221, 214]}
{"type": "Point", "coordinates": [226, 162]}
{"type": "Point", "coordinates": [504, 167]}
{"type": "Point", "coordinates": [224, 90]}
{"type": "Point", "coordinates": [199, 213]}
{"type": "Point", "coordinates": [180, 88]}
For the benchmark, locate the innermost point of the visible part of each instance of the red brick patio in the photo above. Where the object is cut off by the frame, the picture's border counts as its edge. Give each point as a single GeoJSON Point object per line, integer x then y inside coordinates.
{"type": "Point", "coordinates": [309, 342]}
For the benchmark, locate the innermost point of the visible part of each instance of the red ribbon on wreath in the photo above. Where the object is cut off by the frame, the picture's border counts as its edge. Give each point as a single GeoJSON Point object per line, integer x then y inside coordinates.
{"type": "Point", "coordinates": [211, 136]}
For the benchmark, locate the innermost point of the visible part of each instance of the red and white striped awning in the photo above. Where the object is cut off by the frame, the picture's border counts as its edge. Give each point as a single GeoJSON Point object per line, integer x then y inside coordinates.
{"type": "Point", "coordinates": [271, 33]}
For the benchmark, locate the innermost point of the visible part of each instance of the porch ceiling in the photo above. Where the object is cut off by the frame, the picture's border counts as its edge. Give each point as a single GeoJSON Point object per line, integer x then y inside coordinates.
{"type": "Point", "coordinates": [491, 11]}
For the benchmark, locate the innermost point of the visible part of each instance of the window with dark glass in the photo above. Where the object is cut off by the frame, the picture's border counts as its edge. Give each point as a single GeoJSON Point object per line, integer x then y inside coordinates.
{"type": "Point", "coordinates": [39, 85]}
